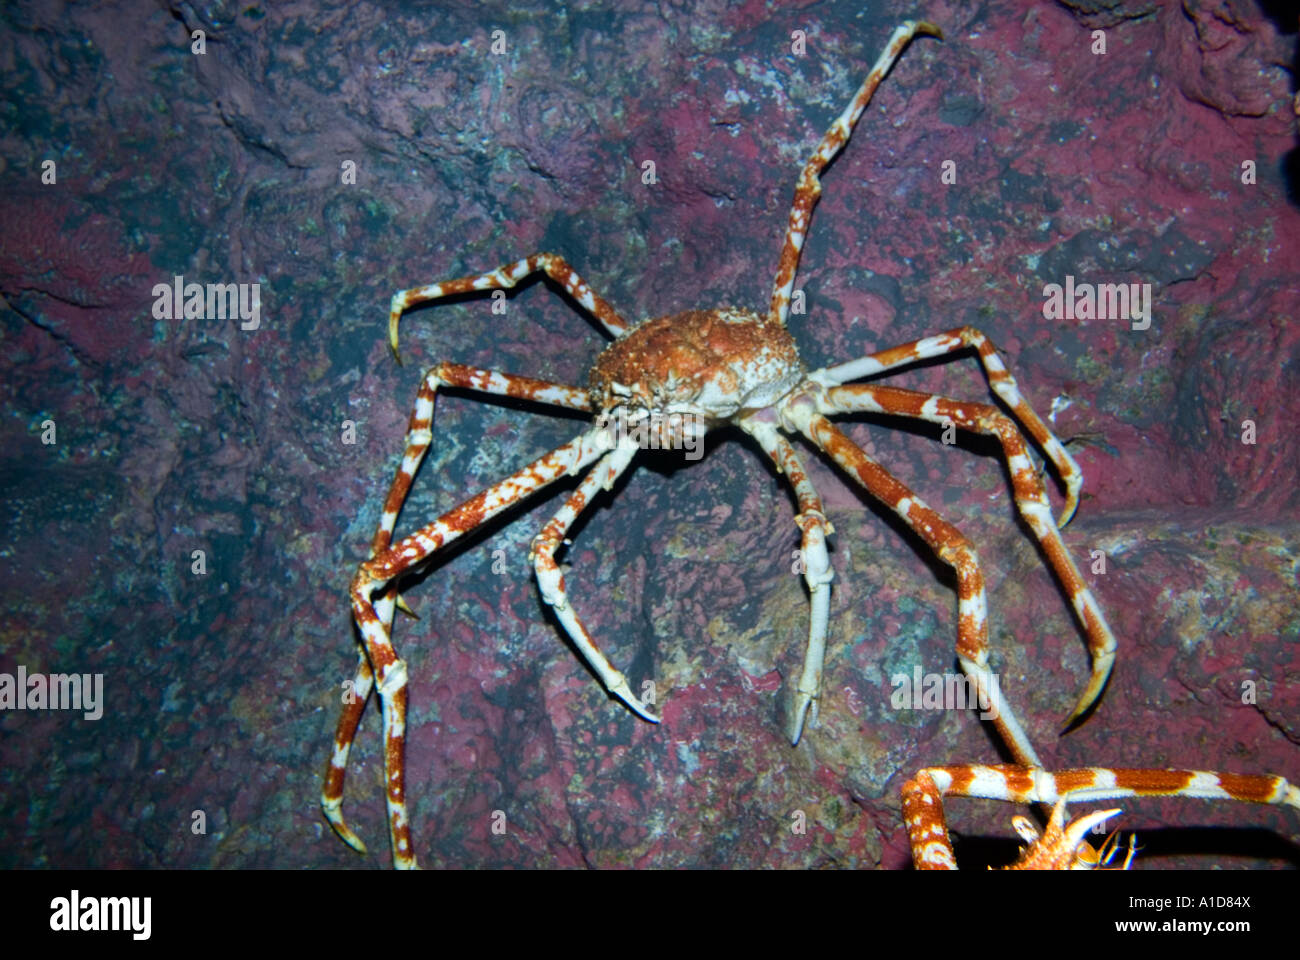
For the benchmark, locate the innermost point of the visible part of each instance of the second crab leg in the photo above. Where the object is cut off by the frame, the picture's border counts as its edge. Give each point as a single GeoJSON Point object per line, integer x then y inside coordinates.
{"type": "Point", "coordinates": [949, 545]}
{"type": "Point", "coordinates": [375, 574]}
{"type": "Point", "coordinates": [551, 581]}
{"type": "Point", "coordinates": [1027, 490]}
{"type": "Point", "coordinates": [1000, 380]}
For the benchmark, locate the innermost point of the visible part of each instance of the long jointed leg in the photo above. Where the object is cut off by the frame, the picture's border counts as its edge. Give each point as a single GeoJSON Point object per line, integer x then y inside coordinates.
{"type": "Point", "coordinates": [551, 580]}
{"type": "Point", "coordinates": [809, 187]}
{"type": "Point", "coordinates": [817, 572]}
{"type": "Point", "coordinates": [419, 433]}
{"type": "Point", "coordinates": [375, 575]}
{"type": "Point", "coordinates": [1027, 489]}
{"type": "Point", "coordinates": [331, 795]}
{"type": "Point", "coordinates": [950, 546]}
{"type": "Point", "coordinates": [503, 278]}
{"type": "Point", "coordinates": [1000, 379]}
{"type": "Point", "coordinates": [1057, 848]}
{"type": "Point", "coordinates": [418, 437]}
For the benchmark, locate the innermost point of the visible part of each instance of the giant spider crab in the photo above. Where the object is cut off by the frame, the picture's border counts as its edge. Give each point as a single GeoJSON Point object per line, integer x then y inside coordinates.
{"type": "Point", "coordinates": [673, 378]}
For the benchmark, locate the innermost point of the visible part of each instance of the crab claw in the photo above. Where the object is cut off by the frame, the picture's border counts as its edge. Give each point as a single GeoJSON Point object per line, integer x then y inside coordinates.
{"type": "Point", "coordinates": [1058, 848]}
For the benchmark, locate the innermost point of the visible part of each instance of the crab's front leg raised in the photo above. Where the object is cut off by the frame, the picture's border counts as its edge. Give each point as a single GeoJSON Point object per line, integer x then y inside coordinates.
{"type": "Point", "coordinates": [809, 187]}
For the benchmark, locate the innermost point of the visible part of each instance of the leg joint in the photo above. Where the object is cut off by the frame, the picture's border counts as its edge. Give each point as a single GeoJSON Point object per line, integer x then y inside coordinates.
{"type": "Point", "coordinates": [959, 553]}
{"type": "Point", "coordinates": [544, 545]}
{"type": "Point", "coordinates": [393, 678]}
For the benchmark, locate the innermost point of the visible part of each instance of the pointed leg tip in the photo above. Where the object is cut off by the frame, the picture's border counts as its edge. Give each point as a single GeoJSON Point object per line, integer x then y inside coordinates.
{"type": "Point", "coordinates": [1083, 706]}
{"type": "Point", "coordinates": [805, 714]}
{"type": "Point", "coordinates": [333, 811]}
{"type": "Point", "coordinates": [348, 837]}
{"type": "Point", "coordinates": [642, 711]}
{"type": "Point", "coordinates": [624, 693]}
{"type": "Point", "coordinates": [1101, 667]}
{"type": "Point", "coordinates": [392, 336]}
{"type": "Point", "coordinates": [1067, 514]}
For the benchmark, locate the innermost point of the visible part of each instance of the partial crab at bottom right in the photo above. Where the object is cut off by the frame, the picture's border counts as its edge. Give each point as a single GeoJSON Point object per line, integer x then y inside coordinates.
{"type": "Point", "coordinates": [1061, 845]}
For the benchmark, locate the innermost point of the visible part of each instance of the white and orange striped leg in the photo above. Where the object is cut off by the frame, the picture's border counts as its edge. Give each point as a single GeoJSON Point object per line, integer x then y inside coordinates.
{"type": "Point", "coordinates": [503, 278]}
{"type": "Point", "coordinates": [419, 437]}
{"type": "Point", "coordinates": [948, 545]}
{"type": "Point", "coordinates": [1027, 490]}
{"type": "Point", "coordinates": [814, 528]}
{"type": "Point", "coordinates": [331, 795]}
{"type": "Point", "coordinates": [1000, 380]}
{"type": "Point", "coordinates": [1060, 847]}
{"type": "Point", "coordinates": [809, 186]}
{"type": "Point", "coordinates": [377, 573]}
{"type": "Point", "coordinates": [551, 580]}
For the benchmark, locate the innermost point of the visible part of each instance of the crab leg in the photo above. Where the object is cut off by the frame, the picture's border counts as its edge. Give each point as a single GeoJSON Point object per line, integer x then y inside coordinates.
{"type": "Point", "coordinates": [551, 581]}
{"type": "Point", "coordinates": [927, 829]}
{"type": "Point", "coordinates": [1027, 490]}
{"type": "Point", "coordinates": [375, 574]}
{"type": "Point", "coordinates": [418, 437]}
{"type": "Point", "coordinates": [1000, 379]}
{"type": "Point", "coordinates": [817, 571]}
{"type": "Point", "coordinates": [506, 277]}
{"type": "Point", "coordinates": [419, 433]}
{"type": "Point", "coordinates": [809, 187]}
{"type": "Point", "coordinates": [948, 544]}
{"type": "Point", "coordinates": [331, 795]}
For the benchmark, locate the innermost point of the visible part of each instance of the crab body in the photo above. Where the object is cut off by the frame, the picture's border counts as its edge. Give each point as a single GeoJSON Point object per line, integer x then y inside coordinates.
{"type": "Point", "coordinates": [712, 364]}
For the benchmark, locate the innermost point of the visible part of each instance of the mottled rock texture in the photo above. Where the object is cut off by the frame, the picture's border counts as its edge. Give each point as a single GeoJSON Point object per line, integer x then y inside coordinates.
{"type": "Point", "coordinates": [1162, 161]}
